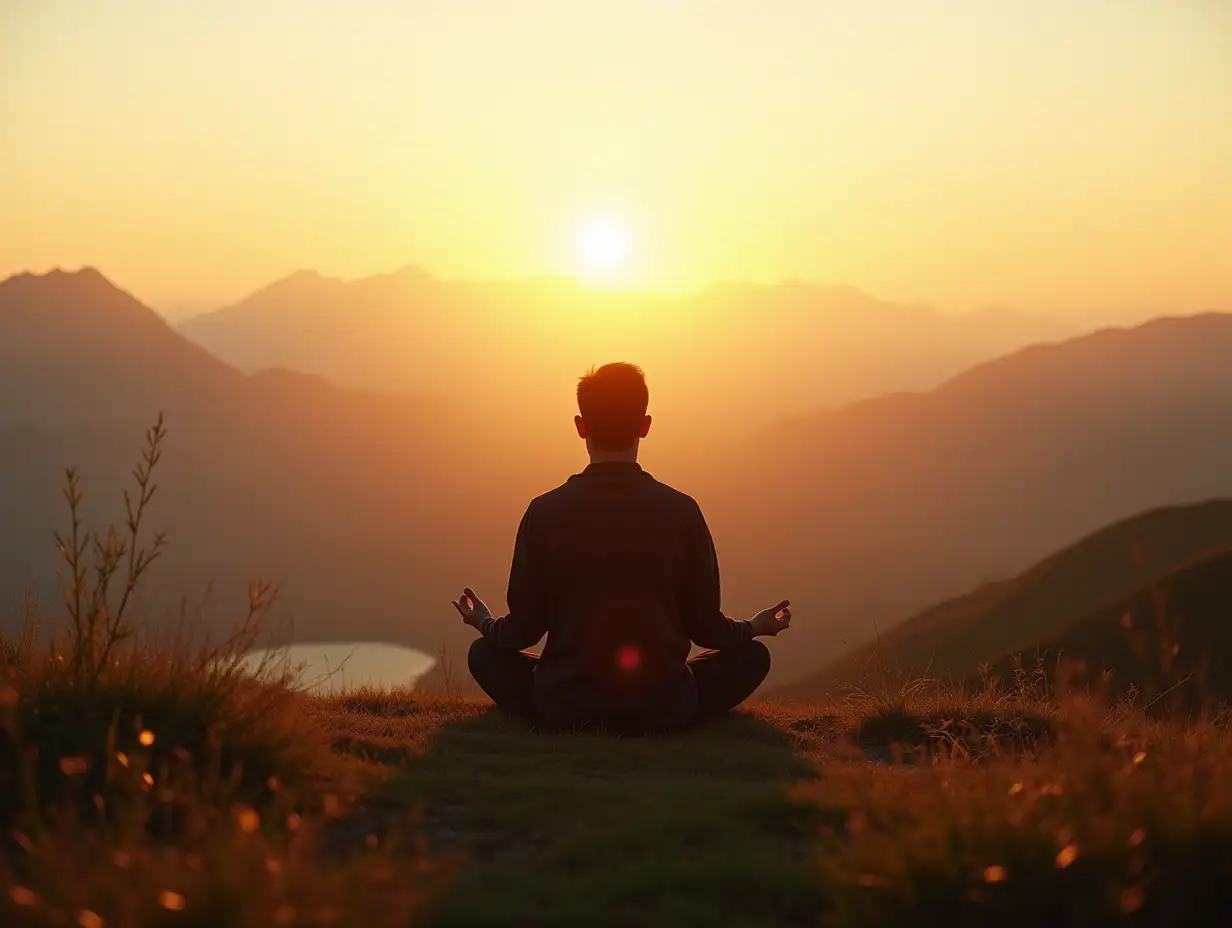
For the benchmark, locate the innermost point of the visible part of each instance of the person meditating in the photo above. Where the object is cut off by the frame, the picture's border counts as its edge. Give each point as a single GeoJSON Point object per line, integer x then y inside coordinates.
{"type": "Point", "coordinates": [620, 572]}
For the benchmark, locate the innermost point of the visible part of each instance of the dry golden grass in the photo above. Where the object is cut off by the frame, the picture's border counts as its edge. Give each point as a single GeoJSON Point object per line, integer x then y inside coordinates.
{"type": "Point", "coordinates": [157, 782]}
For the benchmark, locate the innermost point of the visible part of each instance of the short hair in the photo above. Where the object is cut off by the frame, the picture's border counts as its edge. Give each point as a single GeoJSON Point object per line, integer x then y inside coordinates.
{"type": "Point", "coordinates": [612, 401]}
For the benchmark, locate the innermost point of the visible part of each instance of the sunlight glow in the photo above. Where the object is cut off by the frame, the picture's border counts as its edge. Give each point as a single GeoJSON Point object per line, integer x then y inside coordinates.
{"type": "Point", "coordinates": [603, 248]}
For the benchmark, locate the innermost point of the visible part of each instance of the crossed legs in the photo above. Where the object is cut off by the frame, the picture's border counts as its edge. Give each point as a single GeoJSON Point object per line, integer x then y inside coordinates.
{"type": "Point", "coordinates": [724, 678]}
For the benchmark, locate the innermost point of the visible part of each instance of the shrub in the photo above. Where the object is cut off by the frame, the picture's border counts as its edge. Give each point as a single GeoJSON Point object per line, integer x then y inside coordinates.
{"type": "Point", "coordinates": [146, 778]}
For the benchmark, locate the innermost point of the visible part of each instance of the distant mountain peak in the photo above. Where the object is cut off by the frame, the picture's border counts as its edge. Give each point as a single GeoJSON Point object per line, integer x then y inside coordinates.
{"type": "Point", "coordinates": [296, 285]}
{"type": "Point", "coordinates": [86, 277]}
{"type": "Point", "coordinates": [308, 280]}
{"type": "Point", "coordinates": [413, 270]}
{"type": "Point", "coordinates": [305, 274]}
{"type": "Point", "coordinates": [92, 348]}
{"type": "Point", "coordinates": [85, 296]}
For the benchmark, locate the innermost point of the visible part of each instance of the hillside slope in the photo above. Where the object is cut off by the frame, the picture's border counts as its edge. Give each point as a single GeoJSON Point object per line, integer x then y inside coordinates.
{"type": "Point", "coordinates": [1171, 641]}
{"type": "Point", "coordinates": [953, 638]}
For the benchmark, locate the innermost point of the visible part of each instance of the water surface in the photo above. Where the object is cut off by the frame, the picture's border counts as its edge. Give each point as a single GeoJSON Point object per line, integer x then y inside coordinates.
{"type": "Point", "coordinates": [334, 665]}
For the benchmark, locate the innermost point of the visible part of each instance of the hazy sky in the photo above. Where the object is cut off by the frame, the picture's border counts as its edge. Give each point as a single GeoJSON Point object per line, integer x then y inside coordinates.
{"type": "Point", "coordinates": [1064, 155]}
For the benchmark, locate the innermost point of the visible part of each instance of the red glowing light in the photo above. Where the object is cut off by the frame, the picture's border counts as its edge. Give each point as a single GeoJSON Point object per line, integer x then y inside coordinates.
{"type": "Point", "coordinates": [628, 659]}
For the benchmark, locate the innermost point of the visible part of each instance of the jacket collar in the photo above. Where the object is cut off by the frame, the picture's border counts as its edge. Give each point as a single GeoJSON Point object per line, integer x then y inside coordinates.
{"type": "Point", "coordinates": [612, 467]}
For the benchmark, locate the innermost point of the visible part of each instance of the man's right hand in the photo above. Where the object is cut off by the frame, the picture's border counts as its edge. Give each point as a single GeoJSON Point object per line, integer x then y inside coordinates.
{"type": "Point", "coordinates": [472, 609]}
{"type": "Point", "coordinates": [769, 622]}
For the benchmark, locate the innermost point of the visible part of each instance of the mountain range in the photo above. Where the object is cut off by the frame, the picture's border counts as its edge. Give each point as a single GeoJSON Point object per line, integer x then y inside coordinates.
{"type": "Point", "coordinates": [751, 353]}
{"type": "Point", "coordinates": [372, 507]}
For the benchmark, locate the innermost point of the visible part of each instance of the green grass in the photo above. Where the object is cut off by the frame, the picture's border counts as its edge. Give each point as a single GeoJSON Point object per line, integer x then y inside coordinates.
{"type": "Point", "coordinates": [923, 805]}
{"type": "Point", "coordinates": [795, 815]}
{"type": "Point", "coordinates": [566, 829]}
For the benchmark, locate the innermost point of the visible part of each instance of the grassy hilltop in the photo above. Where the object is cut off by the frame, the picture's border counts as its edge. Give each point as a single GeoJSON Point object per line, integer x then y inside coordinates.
{"type": "Point", "coordinates": [410, 808]}
{"type": "Point", "coordinates": [154, 781]}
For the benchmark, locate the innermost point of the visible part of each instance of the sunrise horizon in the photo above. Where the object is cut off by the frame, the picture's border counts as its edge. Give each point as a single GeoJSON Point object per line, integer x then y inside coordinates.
{"type": "Point", "coordinates": [1063, 162]}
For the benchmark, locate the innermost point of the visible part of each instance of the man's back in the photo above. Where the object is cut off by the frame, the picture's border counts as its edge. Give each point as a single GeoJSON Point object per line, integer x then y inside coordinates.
{"type": "Point", "coordinates": [619, 570]}
{"type": "Point", "coordinates": [618, 550]}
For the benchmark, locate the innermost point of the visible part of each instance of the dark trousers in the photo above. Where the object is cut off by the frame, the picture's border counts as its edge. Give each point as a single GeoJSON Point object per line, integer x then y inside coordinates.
{"type": "Point", "coordinates": [724, 678]}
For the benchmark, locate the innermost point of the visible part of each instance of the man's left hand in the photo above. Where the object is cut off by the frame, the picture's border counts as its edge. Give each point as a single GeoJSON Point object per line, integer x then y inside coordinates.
{"type": "Point", "coordinates": [769, 622]}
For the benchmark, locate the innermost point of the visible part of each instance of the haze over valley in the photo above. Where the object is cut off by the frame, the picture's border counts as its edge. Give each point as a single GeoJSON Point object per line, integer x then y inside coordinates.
{"type": "Point", "coordinates": [369, 500]}
{"type": "Point", "coordinates": [923, 297]}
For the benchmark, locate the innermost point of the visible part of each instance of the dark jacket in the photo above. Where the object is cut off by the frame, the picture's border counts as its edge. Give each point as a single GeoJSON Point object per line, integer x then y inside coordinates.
{"type": "Point", "coordinates": [619, 570]}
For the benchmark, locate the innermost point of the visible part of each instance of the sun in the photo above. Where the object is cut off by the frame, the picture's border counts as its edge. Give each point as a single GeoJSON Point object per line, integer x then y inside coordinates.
{"type": "Point", "coordinates": [603, 247]}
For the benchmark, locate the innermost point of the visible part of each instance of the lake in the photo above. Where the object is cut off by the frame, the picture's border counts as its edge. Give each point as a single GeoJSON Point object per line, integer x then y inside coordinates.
{"type": "Point", "coordinates": [334, 665]}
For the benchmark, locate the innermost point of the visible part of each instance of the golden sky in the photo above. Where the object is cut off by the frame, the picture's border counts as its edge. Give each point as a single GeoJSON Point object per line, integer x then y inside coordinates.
{"type": "Point", "coordinates": [1069, 156]}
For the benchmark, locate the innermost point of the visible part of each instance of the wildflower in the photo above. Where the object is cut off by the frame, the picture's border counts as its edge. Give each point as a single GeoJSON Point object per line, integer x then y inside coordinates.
{"type": "Point", "coordinates": [1067, 856]}
{"type": "Point", "coordinates": [21, 896]}
{"type": "Point", "coordinates": [146, 738]}
{"type": "Point", "coordinates": [171, 901]}
{"type": "Point", "coordinates": [88, 919]}
{"type": "Point", "coordinates": [1137, 837]}
{"type": "Point", "coordinates": [249, 821]}
{"type": "Point", "coordinates": [71, 766]}
{"type": "Point", "coordinates": [994, 874]}
{"type": "Point", "coordinates": [1131, 900]}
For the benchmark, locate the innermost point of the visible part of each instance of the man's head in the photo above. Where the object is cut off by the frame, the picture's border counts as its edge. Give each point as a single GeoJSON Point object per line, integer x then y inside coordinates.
{"type": "Point", "coordinates": [612, 403]}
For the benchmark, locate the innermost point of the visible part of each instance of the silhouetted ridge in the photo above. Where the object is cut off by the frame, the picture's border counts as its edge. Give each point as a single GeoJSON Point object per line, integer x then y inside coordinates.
{"type": "Point", "coordinates": [827, 343]}
{"type": "Point", "coordinates": [81, 297]}
{"type": "Point", "coordinates": [298, 286]}
{"type": "Point", "coordinates": [954, 637]}
{"type": "Point", "coordinates": [76, 348]}
{"type": "Point", "coordinates": [1186, 347]}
